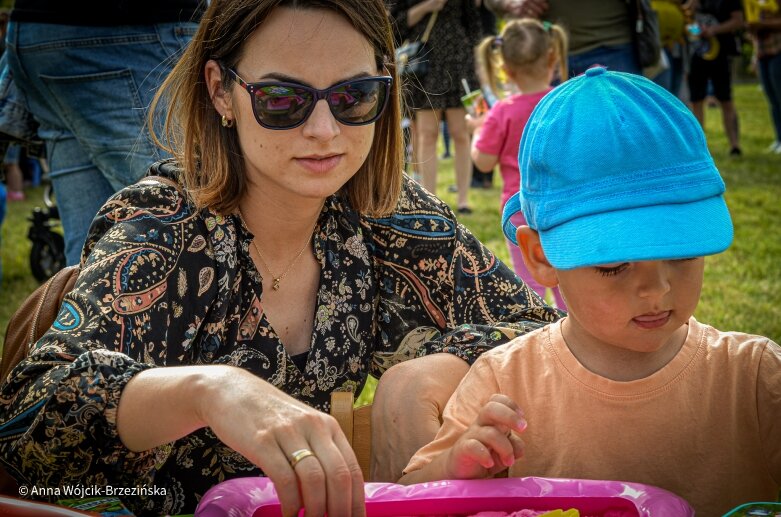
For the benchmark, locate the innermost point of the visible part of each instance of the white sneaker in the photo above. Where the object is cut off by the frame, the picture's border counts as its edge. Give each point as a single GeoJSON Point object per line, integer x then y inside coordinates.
{"type": "Point", "coordinates": [775, 148]}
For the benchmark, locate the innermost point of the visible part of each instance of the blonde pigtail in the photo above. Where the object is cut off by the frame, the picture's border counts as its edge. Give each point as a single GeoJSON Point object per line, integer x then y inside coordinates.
{"type": "Point", "coordinates": [560, 45]}
{"type": "Point", "coordinates": [486, 67]}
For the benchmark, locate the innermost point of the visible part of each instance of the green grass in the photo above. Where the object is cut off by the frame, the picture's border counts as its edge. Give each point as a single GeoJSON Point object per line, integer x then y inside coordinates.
{"type": "Point", "coordinates": [18, 281]}
{"type": "Point", "coordinates": [742, 288]}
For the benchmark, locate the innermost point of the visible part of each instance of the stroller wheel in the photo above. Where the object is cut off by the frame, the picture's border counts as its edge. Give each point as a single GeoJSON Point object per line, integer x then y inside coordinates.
{"type": "Point", "coordinates": [47, 255]}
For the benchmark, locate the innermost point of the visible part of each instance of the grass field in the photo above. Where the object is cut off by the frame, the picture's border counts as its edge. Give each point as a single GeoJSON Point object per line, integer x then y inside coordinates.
{"type": "Point", "coordinates": [742, 288]}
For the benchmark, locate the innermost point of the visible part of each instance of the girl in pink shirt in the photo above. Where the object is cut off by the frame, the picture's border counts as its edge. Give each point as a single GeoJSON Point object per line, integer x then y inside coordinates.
{"type": "Point", "coordinates": [530, 52]}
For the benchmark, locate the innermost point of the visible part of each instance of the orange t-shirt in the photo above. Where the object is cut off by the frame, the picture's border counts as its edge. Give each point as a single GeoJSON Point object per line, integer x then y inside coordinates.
{"type": "Point", "coordinates": [707, 426]}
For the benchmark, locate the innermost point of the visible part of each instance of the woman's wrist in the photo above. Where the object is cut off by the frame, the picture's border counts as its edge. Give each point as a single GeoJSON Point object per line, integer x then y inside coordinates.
{"type": "Point", "coordinates": [203, 388]}
{"type": "Point", "coordinates": [179, 397]}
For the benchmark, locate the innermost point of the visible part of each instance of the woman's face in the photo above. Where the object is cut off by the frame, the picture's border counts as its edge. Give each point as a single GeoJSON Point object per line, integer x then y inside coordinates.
{"type": "Point", "coordinates": [317, 48]}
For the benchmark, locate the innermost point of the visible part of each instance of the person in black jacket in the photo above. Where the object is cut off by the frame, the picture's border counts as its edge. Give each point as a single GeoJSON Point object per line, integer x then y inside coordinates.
{"type": "Point", "coordinates": [718, 20]}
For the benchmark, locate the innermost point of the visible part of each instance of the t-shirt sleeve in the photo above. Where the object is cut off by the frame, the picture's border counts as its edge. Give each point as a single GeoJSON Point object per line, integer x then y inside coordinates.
{"type": "Point", "coordinates": [769, 406]}
{"type": "Point", "coordinates": [493, 134]}
{"type": "Point", "coordinates": [477, 386]}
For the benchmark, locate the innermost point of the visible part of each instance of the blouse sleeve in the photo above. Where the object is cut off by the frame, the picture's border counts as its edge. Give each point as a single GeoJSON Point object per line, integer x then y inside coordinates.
{"type": "Point", "coordinates": [58, 407]}
{"type": "Point", "coordinates": [441, 289]}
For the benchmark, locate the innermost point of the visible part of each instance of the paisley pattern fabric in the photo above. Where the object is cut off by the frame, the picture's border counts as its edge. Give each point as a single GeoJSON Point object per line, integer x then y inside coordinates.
{"type": "Point", "coordinates": [164, 284]}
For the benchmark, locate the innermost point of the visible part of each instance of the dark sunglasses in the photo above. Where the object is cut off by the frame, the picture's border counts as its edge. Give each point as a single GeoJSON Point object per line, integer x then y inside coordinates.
{"type": "Point", "coordinates": [288, 105]}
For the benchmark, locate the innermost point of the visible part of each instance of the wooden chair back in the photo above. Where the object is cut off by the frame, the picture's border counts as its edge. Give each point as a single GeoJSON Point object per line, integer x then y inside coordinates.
{"type": "Point", "coordinates": [356, 423]}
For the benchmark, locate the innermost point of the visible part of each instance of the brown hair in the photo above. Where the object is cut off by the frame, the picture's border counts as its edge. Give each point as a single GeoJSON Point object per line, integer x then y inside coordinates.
{"type": "Point", "coordinates": [523, 44]}
{"type": "Point", "coordinates": [210, 156]}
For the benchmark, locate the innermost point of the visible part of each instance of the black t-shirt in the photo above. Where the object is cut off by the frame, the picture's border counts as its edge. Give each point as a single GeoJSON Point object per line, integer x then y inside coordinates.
{"type": "Point", "coordinates": [713, 12]}
{"type": "Point", "coordinates": [107, 12]}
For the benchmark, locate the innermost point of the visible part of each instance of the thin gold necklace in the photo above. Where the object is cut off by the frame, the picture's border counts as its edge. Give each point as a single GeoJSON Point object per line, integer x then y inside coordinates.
{"type": "Point", "coordinates": [276, 279]}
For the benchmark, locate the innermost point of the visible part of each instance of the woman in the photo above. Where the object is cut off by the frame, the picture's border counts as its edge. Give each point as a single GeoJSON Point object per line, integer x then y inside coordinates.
{"type": "Point", "coordinates": [449, 52]}
{"type": "Point", "coordinates": [212, 319]}
{"type": "Point", "coordinates": [765, 28]}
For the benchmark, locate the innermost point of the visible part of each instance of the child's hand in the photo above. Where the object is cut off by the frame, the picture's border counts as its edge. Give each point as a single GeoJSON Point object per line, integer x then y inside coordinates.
{"type": "Point", "coordinates": [489, 445]}
{"type": "Point", "coordinates": [473, 124]}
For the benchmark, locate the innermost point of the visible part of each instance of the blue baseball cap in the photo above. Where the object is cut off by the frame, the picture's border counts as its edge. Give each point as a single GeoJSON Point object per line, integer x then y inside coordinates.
{"type": "Point", "coordinates": [614, 168]}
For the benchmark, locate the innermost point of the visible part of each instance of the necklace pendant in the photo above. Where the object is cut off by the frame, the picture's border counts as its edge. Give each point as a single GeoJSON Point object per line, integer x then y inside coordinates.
{"type": "Point", "coordinates": [275, 285]}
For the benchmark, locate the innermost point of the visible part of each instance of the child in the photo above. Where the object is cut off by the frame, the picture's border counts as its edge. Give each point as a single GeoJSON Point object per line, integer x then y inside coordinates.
{"type": "Point", "coordinates": [622, 201]}
{"type": "Point", "coordinates": [530, 54]}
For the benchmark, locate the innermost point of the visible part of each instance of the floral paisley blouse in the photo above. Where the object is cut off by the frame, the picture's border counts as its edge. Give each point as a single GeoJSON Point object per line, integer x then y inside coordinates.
{"type": "Point", "coordinates": [164, 284]}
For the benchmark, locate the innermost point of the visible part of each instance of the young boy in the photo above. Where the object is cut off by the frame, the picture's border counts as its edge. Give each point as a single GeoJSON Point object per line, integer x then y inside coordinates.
{"type": "Point", "coordinates": [623, 201]}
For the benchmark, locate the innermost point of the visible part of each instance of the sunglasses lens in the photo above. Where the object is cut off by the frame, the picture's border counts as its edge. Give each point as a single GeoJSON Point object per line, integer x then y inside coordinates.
{"type": "Point", "coordinates": [360, 102]}
{"type": "Point", "coordinates": [281, 106]}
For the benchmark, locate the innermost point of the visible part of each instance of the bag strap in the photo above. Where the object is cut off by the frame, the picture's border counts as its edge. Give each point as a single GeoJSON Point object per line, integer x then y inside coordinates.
{"type": "Point", "coordinates": [640, 7]}
{"type": "Point", "coordinates": [432, 19]}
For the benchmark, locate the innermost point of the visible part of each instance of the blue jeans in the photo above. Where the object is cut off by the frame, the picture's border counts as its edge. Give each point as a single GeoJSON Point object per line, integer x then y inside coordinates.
{"type": "Point", "coordinates": [770, 74]}
{"type": "Point", "coordinates": [619, 58]}
{"type": "Point", "coordinates": [89, 88]}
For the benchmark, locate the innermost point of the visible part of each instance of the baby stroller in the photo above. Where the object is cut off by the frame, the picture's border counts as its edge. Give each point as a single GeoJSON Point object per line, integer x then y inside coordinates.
{"type": "Point", "coordinates": [47, 255]}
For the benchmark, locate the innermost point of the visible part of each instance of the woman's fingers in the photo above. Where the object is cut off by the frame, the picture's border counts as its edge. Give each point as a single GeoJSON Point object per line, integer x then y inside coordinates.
{"type": "Point", "coordinates": [311, 483]}
{"type": "Point", "coordinates": [358, 506]}
{"type": "Point", "coordinates": [328, 478]}
{"type": "Point", "coordinates": [278, 469]}
{"type": "Point", "coordinates": [343, 480]}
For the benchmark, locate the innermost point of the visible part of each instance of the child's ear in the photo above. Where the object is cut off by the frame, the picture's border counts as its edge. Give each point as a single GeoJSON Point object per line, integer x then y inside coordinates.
{"type": "Point", "coordinates": [534, 257]}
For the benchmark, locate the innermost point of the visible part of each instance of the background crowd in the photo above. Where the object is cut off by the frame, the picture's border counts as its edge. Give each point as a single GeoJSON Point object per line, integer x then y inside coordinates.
{"type": "Point", "coordinates": [92, 154]}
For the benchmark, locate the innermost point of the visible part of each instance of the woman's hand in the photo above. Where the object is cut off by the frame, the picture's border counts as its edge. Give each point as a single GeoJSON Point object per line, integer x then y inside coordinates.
{"type": "Point", "coordinates": [419, 11]}
{"type": "Point", "coordinates": [435, 5]}
{"type": "Point", "coordinates": [267, 426]}
{"type": "Point", "coordinates": [489, 445]}
{"type": "Point", "coordinates": [256, 420]}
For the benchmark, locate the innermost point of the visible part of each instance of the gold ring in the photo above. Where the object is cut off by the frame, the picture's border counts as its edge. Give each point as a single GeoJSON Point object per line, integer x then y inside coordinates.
{"type": "Point", "coordinates": [299, 455]}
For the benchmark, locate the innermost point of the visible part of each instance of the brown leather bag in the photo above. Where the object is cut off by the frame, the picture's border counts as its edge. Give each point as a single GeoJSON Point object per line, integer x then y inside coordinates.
{"type": "Point", "coordinates": [30, 321]}
{"type": "Point", "coordinates": [34, 317]}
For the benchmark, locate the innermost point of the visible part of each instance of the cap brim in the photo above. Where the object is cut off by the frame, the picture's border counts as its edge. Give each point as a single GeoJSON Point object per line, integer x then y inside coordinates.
{"type": "Point", "coordinates": [512, 207]}
{"type": "Point", "coordinates": [657, 232]}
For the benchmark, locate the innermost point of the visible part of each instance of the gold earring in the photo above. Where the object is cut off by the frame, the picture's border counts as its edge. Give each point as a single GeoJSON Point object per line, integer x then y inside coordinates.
{"type": "Point", "coordinates": [226, 122]}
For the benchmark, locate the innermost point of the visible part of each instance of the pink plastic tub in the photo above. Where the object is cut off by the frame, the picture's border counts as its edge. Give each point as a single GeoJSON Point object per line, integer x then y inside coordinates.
{"type": "Point", "coordinates": [256, 497]}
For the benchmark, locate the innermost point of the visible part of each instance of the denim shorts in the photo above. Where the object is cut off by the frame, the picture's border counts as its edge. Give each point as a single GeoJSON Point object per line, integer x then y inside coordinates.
{"type": "Point", "coordinates": [89, 89]}
{"type": "Point", "coordinates": [12, 154]}
{"type": "Point", "coordinates": [619, 58]}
